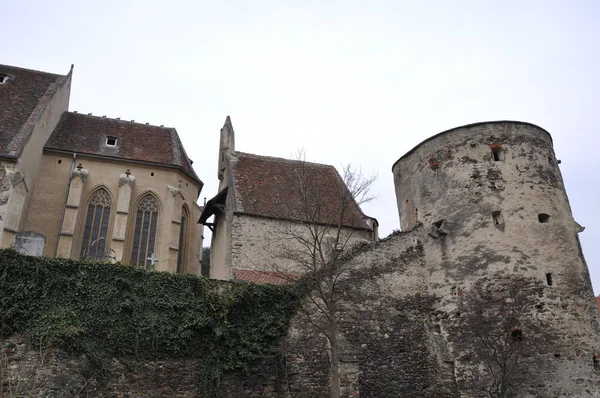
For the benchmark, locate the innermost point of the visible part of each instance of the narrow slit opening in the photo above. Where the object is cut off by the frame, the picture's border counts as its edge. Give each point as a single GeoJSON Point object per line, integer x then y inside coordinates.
{"type": "Point", "coordinates": [549, 280]}
{"type": "Point", "coordinates": [496, 154]}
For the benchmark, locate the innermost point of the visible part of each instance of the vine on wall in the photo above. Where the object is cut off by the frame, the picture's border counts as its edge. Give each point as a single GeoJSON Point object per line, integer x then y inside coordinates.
{"type": "Point", "coordinates": [107, 310]}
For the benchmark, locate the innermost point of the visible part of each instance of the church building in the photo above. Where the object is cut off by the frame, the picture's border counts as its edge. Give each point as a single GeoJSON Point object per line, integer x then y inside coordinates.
{"type": "Point", "coordinates": [90, 187]}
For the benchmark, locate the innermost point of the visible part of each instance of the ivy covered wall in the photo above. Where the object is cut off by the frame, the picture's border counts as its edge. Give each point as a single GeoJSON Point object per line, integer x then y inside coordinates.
{"type": "Point", "coordinates": [110, 311]}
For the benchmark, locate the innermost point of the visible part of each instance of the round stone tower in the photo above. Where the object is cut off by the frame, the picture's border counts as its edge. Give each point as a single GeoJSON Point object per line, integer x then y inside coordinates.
{"type": "Point", "coordinates": [497, 219]}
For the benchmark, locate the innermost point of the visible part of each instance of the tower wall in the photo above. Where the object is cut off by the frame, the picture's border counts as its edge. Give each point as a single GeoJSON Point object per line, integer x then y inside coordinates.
{"type": "Point", "coordinates": [492, 201]}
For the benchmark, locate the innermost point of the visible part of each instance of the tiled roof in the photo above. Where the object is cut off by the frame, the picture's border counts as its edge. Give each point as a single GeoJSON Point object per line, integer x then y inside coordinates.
{"type": "Point", "coordinates": [87, 134]}
{"type": "Point", "coordinates": [23, 95]}
{"type": "Point", "coordinates": [269, 187]}
{"type": "Point", "coordinates": [273, 278]}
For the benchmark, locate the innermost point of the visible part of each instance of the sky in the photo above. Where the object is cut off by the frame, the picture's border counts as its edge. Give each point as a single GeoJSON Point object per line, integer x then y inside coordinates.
{"type": "Point", "coordinates": [359, 82]}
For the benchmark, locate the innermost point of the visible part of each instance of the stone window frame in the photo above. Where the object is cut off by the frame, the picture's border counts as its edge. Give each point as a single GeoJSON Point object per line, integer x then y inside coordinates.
{"type": "Point", "coordinates": [184, 238]}
{"type": "Point", "coordinates": [83, 218]}
{"type": "Point", "coordinates": [132, 223]}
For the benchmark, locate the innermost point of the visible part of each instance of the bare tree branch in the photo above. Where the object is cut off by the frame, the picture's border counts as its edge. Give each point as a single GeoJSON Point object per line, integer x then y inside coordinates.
{"type": "Point", "coordinates": [326, 227]}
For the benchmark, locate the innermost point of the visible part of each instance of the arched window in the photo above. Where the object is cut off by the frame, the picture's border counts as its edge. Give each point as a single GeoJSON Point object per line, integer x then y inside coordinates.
{"type": "Point", "coordinates": [182, 240]}
{"type": "Point", "coordinates": [144, 234]}
{"type": "Point", "coordinates": [93, 245]}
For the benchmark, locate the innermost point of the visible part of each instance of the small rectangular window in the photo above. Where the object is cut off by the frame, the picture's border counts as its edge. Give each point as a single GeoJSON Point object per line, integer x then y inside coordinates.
{"type": "Point", "coordinates": [496, 154]}
{"type": "Point", "coordinates": [111, 141]}
{"type": "Point", "coordinates": [543, 218]}
{"type": "Point", "coordinates": [549, 280]}
{"type": "Point", "coordinates": [498, 219]}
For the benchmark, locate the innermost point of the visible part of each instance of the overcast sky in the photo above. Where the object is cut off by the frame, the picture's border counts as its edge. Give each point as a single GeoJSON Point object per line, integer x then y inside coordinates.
{"type": "Point", "coordinates": [358, 82]}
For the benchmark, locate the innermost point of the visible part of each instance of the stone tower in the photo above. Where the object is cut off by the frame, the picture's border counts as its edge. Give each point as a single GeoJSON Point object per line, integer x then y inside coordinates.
{"type": "Point", "coordinates": [495, 212]}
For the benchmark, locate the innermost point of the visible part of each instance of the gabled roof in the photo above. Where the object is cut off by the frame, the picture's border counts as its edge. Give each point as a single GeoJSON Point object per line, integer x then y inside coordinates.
{"type": "Point", "coordinates": [23, 96]}
{"type": "Point", "coordinates": [87, 134]}
{"type": "Point", "coordinates": [270, 187]}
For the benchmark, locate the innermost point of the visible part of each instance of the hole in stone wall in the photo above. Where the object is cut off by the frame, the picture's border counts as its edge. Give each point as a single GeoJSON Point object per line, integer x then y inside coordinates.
{"type": "Point", "coordinates": [59, 161]}
{"type": "Point", "coordinates": [543, 218]}
{"type": "Point", "coordinates": [437, 329]}
{"type": "Point", "coordinates": [516, 334]}
{"type": "Point", "coordinates": [496, 152]}
{"type": "Point", "coordinates": [498, 219]}
{"type": "Point", "coordinates": [438, 224]}
{"type": "Point", "coordinates": [152, 174]}
{"type": "Point", "coordinates": [556, 355]}
{"type": "Point", "coordinates": [549, 279]}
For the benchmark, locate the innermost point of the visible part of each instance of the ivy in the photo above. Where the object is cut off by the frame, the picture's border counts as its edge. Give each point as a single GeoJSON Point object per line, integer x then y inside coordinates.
{"type": "Point", "coordinates": [108, 310]}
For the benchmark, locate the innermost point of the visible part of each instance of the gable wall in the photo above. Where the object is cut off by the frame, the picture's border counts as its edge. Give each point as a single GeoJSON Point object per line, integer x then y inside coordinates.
{"type": "Point", "coordinates": [28, 163]}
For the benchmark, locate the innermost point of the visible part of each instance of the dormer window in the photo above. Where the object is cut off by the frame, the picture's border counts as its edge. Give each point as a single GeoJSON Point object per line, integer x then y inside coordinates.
{"type": "Point", "coordinates": [111, 141]}
{"type": "Point", "coordinates": [3, 78]}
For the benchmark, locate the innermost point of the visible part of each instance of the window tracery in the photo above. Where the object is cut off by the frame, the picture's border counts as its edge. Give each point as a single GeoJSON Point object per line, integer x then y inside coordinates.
{"type": "Point", "coordinates": [93, 244]}
{"type": "Point", "coordinates": [144, 235]}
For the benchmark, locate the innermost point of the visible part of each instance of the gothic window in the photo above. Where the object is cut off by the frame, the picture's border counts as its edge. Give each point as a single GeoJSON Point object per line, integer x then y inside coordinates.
{"type": "Point", "coordinates": [93, 245]}
{"type": "Point", "coordinates": [182, 240]}
{"type": "Point", "coordinates": [144, 235]}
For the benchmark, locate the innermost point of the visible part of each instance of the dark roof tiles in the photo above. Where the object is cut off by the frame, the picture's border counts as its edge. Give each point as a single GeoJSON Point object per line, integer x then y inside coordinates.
{"type": "Point", "coordinates": [22, 95]}
{"type": "Point", "coordinates": [87, 134]}
{"type": "Point", "coordinates": [269, 187]}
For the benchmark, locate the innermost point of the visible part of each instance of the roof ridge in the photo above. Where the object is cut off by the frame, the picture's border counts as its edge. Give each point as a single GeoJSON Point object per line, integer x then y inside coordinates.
{"type": "Point", "coordinates": [253, 155]}
{"type": "Point", "coordinates": [32, 70]}
{"type": "Point", "coordinates": [104, 117]}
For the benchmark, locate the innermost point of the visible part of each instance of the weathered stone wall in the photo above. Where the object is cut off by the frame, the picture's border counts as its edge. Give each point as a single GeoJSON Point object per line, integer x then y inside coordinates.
{"type": "Point", "coordinates": [387, 347]}
{"type": "Point", "coordinates": [494, 207]}
{"type": "Point", "coordinates": [25, 372]}
{"type": "Point", "coordinates": [267, 244]}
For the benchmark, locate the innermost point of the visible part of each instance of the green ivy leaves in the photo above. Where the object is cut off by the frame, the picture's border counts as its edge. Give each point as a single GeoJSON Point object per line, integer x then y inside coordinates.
{"type": "Point", "coordinates": [107, 310]}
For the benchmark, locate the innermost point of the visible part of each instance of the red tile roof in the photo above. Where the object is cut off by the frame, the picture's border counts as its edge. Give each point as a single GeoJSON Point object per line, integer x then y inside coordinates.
{"type": "Point", "coordinates": [269, 187]}
{"type": "Point", "coordinates": [86, 134]}
{"type": "Point", "coordinates": [23, 96]}
{"type": "Point", "coordinates": [273, 278]}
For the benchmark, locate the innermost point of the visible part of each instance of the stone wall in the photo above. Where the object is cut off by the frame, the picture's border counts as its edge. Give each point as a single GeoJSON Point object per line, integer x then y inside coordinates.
{"type": "Point", "coordinates": [493, 204]}
{"type": "Point", "coordinates": [25, 372]}
{"type": "Point", "coordinates": [267, 244]}
{"type": "Point", "coordinates": [387, 349]}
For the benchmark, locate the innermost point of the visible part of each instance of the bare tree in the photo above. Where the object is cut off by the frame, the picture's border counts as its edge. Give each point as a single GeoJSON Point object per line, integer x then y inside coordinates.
{"type": "Point", "coordinates": [326, 226]}
{"type": "Point", "coordinates": [499, 332]}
